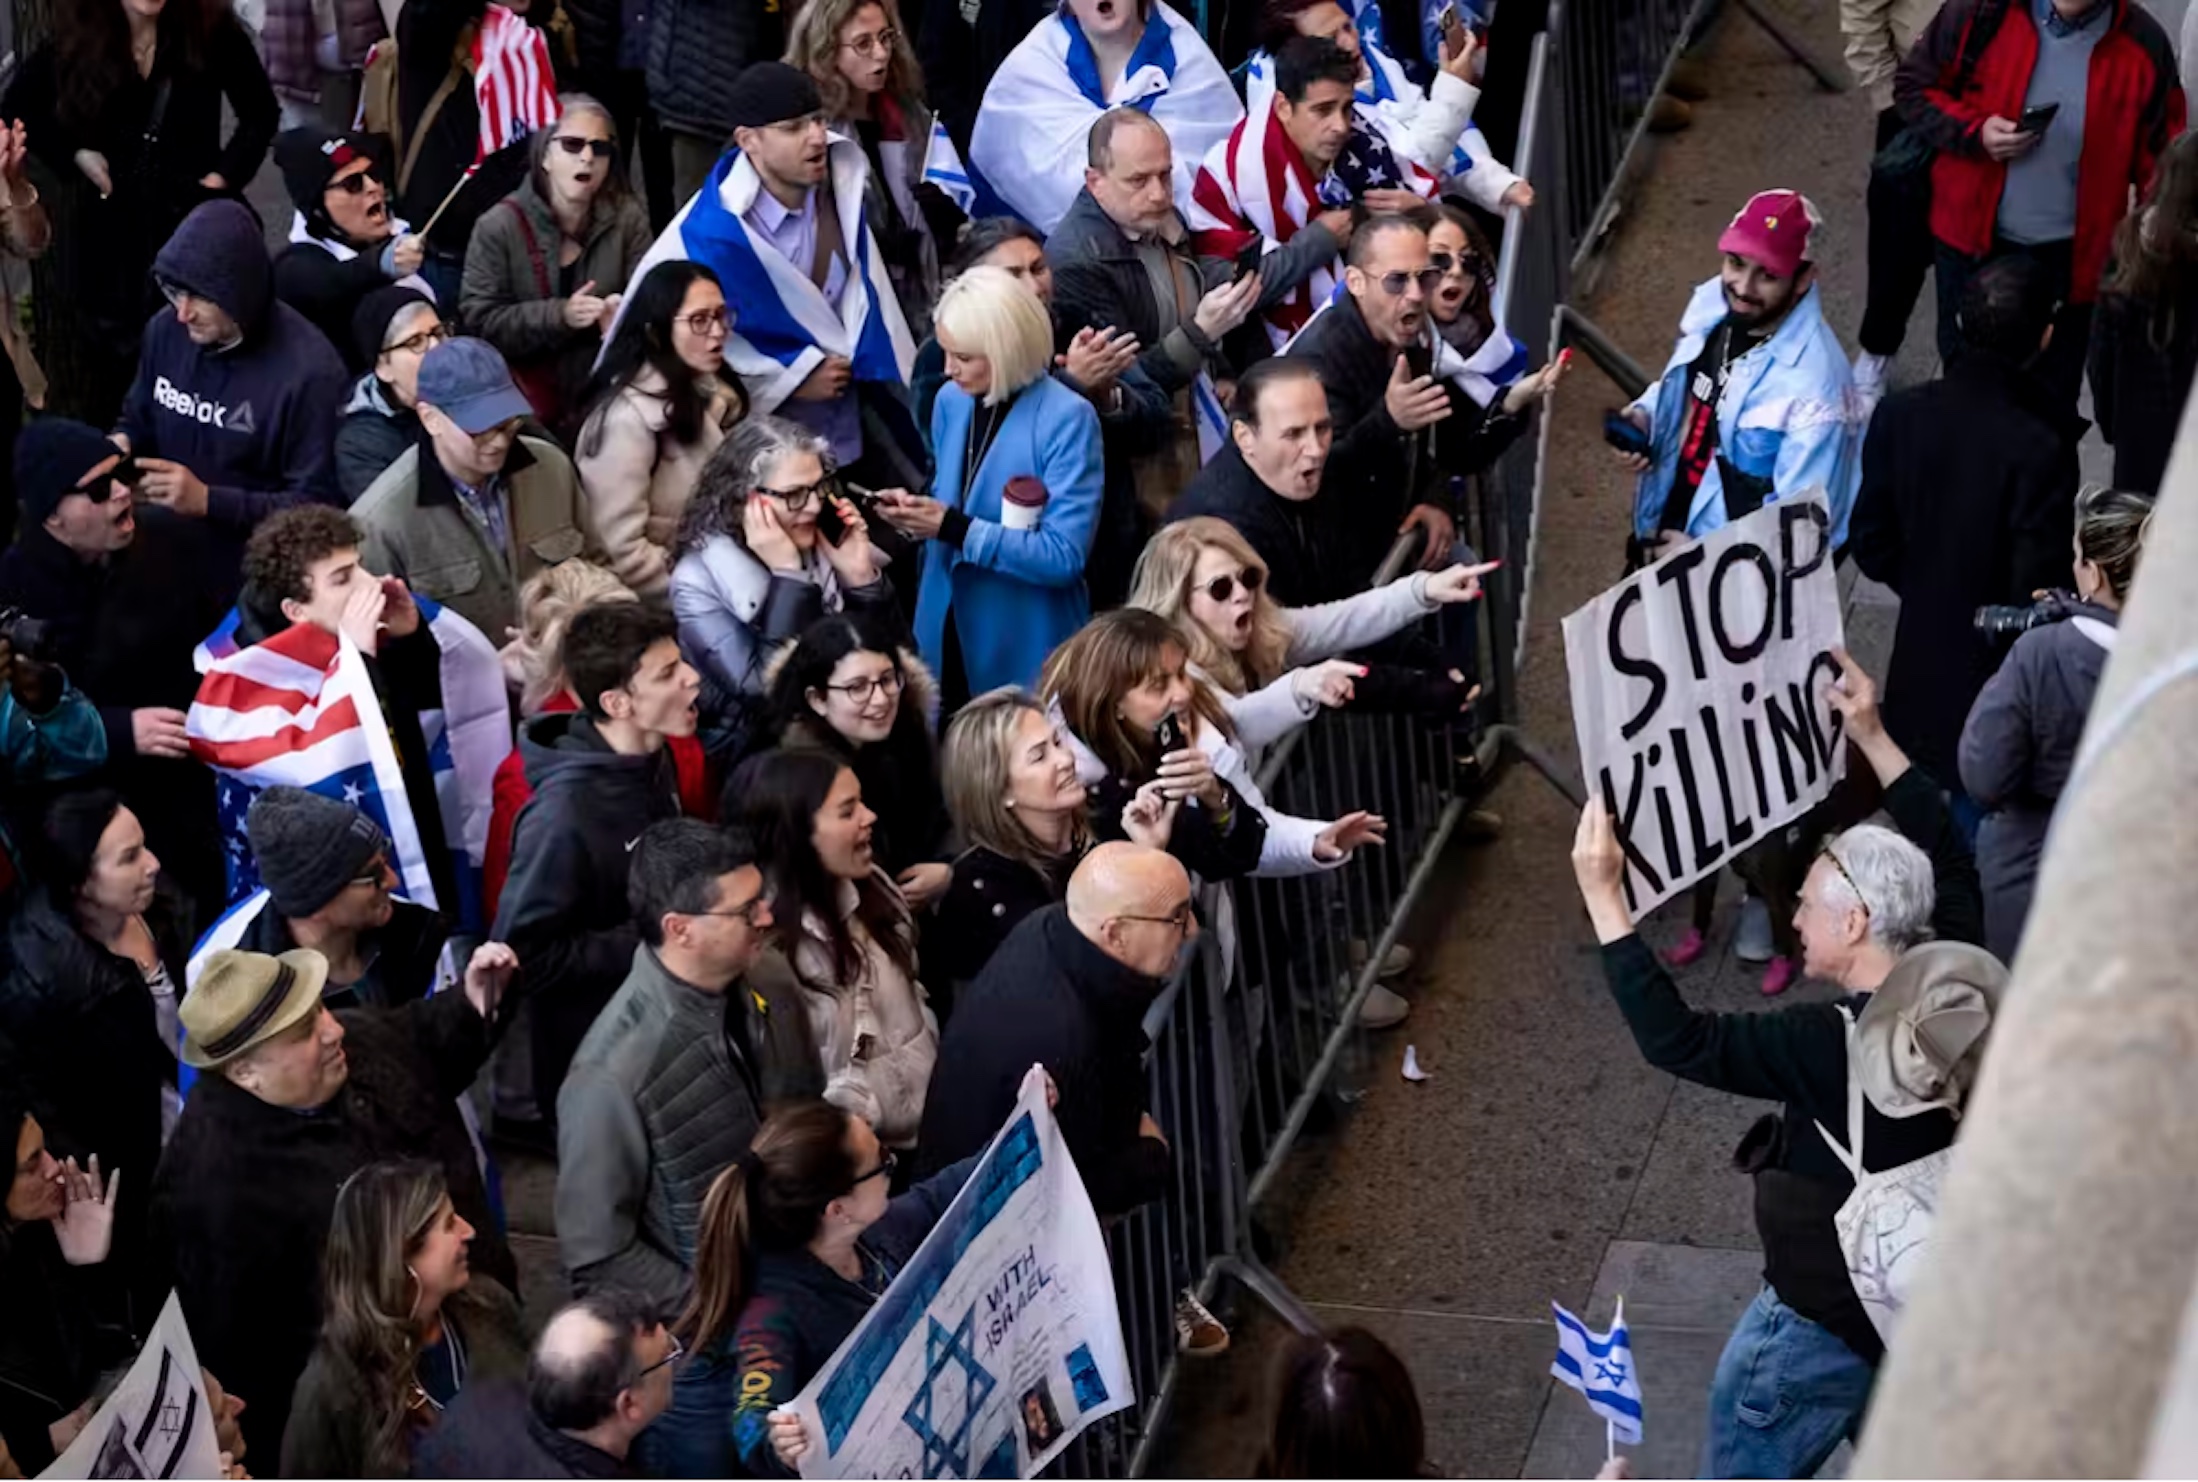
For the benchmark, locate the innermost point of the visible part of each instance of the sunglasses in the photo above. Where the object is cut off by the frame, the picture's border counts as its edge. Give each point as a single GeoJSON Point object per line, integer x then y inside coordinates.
{"type": "Point", "coordinates": [572, 144]}
{"type": "Point", "coordinates": [355, 185]}
{"type": "Point", "coordinates": [1394, 284]}
{"type": "Point", "coordinates": [1828, 853]}
{"type": "Point", "coordinates": [1222, 588]}
{"type": "Point", "coordinates": [100, 487]}
{"type": "Point", "coordinates": [425, 340]}
{"type": "Point", "coordinates": [887, 1162]}
{"type": "Point", "coordinates": [374, 871]}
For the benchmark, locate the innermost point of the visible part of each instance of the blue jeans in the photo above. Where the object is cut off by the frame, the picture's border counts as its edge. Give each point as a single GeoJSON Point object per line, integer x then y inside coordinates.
{"type": "Point", "coordinates": [1786, 1393]}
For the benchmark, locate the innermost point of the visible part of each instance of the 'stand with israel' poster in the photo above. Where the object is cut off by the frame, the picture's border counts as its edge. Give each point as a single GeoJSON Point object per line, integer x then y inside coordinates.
{"type": "Point", "coordinates": [1000, 1340]}
{"type": "Point", "coordinates": [1698, 694]}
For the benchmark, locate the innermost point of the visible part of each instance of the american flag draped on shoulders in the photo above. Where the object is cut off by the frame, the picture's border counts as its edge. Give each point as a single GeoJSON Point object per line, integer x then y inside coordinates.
{"type": "Point", "coordinates": [299, 708]}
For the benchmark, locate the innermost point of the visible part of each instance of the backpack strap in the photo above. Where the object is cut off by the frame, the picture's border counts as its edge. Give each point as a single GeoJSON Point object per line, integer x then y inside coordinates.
{"type": "Point", "coordinates": [461, 67]}
{"type": "Point", "coordinates": [1850, 1160]}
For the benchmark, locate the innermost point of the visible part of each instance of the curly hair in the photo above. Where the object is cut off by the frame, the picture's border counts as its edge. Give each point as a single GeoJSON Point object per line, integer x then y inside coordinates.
{"type": "Point", "coordinates": [283, 549]}
{"type": "Point", "coordinates": [814, 47]}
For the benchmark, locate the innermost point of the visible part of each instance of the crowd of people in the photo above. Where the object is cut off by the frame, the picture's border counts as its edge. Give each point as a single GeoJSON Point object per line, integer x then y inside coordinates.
{"type": "Point", "coordinates": [702, 642]}
{"type": "Point", "coordinates": [706, 639]}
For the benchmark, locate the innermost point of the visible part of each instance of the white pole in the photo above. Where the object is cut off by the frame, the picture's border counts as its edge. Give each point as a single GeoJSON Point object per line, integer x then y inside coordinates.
{"type": "Point", "coordinates": [1610, 1440]}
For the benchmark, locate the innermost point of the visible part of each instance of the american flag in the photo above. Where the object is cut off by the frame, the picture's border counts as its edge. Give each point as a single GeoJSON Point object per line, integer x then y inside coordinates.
{"type": "Point", "coordinates": [513, 82]}
{"type": "Point", "coordinates": [299, 708]}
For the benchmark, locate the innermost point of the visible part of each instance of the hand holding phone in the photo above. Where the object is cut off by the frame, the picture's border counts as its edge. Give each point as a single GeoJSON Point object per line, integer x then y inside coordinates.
{"type": "Point", "coordinates": [1169, 734]}
{"type": "Point", "coordinates": [1624, 434]}
{"type": "Point", "coordinates": [2037, 120]}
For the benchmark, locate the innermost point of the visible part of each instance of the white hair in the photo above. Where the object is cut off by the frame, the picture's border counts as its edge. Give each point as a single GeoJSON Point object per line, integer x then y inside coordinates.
{"type": "Point", "coordinates": [1887, 877]}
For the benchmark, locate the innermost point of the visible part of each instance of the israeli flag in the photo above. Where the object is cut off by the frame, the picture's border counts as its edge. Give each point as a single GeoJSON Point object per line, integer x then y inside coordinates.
{"type": "Point", "coordinates": [943, 167]}
{"type": "Point", "coordinates": [1600, 1367]}
{"type": "Point", "coordinates": [1213, 421]}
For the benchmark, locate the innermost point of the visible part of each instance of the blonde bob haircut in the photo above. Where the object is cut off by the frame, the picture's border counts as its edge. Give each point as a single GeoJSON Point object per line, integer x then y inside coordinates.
{"type": "Point", "coordinates": [1166, 569]}
{"type": "Point", "coordinates": [547, 604]}
{"type": "Point", "coordinates": [1114, 653]}
{"type": "Point", "coordinates": [990, 312]}
{"type": "Point", "coordinates": [974, 765]}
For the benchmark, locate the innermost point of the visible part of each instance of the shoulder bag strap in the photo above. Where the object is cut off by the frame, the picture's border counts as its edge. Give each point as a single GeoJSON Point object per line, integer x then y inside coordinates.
{"type": "Point", "coordinates": [534, 249]}
{"type": "Point", "coordinates": [1852, 1161]}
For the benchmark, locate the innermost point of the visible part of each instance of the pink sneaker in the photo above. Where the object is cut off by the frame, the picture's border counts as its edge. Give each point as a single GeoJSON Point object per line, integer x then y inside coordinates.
{"type": "Point", "coordinates": [1779, 976]}
{"type": "Point", "coordinates": [1688, 950]}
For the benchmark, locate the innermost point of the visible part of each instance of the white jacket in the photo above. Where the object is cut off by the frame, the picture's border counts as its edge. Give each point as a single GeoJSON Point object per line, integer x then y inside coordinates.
{"type": "Point", "coordinates": [1265, 715]}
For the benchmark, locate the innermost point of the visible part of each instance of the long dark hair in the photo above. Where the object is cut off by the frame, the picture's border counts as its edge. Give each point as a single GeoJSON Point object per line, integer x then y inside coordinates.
{"type": "Point", "coordinates": [2156, 246]}
{"type": "Point", "coordinates": [777, 796]}
{"type": "Point", "coordinates": [773, 1198]}
{"type": "Point", "coordinates": [1345, 1407]}
{"type": "Point", "coordinates": [68, 842]}
{"type": "Point", "coordinates": [644, 338]}
{"type": "Point", "coordinates": [809, 665]}
{"type": "Point", "coordinates": [370, 1296]}
{"type": "Point", "coordinates": [92, 51]}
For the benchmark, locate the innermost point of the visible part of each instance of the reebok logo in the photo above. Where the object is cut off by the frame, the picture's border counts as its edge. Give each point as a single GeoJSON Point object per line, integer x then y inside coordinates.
{"type": "Point", "coordinates": [200, 409]}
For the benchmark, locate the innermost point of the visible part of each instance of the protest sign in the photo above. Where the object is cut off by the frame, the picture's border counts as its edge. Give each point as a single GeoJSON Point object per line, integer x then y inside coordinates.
{"type": "Point", "coordinates": [1698, 694]}
{"type": "Point", "coordinates": [157, 1422]}
{"type": "Point", "coordinates": [997, 1344]}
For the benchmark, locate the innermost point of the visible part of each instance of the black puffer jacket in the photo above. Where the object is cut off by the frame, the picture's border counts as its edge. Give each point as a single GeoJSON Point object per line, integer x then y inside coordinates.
{"type": "Point", "coordinates": [697, 48]}
{"type": "Point", "coordinates": [82, 1022]}
{"type": "Point", "coordinates": [242, 1200]}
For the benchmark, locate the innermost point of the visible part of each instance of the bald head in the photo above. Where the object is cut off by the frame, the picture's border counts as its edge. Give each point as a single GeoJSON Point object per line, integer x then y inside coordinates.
{"type": "Point", "coordinates": [1134, 904]}
{"type": "Point", "coordinates": [597, 1370]}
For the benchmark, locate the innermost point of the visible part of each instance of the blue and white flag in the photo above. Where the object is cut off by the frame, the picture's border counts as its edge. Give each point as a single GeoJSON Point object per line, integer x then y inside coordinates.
{"type": "Point", "coordinates": [1212, 418]}
{"type": "Point", "coordinates": [1600, 1367]}
{"type": "Point", "coordinates": [943, 167]}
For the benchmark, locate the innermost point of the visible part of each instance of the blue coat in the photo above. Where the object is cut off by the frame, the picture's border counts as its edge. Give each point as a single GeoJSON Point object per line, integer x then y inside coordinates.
{"type": "Point", "coordinates": [1015, 594]}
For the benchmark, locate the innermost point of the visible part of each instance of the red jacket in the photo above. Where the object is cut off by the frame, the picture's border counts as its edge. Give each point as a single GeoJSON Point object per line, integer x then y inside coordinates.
{"type": "Point", "coordinates": [510, 791]}
{"type": "Point", "coordinates": [2133, 107]}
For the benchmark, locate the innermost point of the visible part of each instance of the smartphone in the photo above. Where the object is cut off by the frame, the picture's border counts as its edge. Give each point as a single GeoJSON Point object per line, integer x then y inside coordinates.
{"type": "Point", "coordinates": [1169, 734]}
{"type": "Point", "coordinates": [1620, 433]}
{"type": "Point", "coordinates": [2035, 120]}
{"type": "Point", "coordinates": [1247, 261]}
{"type": "Point", "coordinates": [829, 523]}
{"type": "Point", "coordinates": [1449, 28]}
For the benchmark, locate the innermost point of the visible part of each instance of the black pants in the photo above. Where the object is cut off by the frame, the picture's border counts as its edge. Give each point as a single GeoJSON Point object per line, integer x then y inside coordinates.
{"type": "Point", "coordinates": [2061, 367]}
{"type": "Point", "coordinates": [1899, 251]}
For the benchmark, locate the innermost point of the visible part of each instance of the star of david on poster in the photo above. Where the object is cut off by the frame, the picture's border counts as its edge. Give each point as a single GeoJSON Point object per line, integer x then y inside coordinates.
{"type": "Point", "coordinates": [946, 1441]}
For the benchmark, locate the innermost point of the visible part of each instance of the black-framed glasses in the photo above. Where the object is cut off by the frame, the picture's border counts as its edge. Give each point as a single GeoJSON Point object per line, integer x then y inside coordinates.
{"type": "Point", "coordinates": [1223, 587]}
{"type": "Point", "coordinates": [573, 144]}
{"type": "Point", "coordinates": [422, 342]}
{"type": "Point", "coordinates": [355, 185]}
{"type": "Point", "coordinates": [1827, 852]}
{"type": "Point", "coordinates": [175, 293]}
{"type": "Point", "coordinates": [887, 1162]}
{"type": "Point", "coordinates": [880, 44]}
{"type": "Point", "coordinates": [375, 872]}
{"type": "Point", "coordinates": [1180, 918]}
{"type": "Point", "coordinates": [805, 497]}
{"type": "Point", "coordinates": [1394, 284]}
{"type": "Point", "coordinates": [705, 322]}
{"type": "Point", "coordinates": [100, 487]}
{"type": "Point", "coordinates": [745, 911]}
{"type": "Point", "coordinates": [672, 1355]}
{"type": "Point", "coordinates": [860, 690]}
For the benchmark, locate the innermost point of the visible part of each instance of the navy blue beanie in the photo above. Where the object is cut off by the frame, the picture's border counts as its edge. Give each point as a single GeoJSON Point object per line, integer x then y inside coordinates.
{"type": "Point", "coordinates": [52, 455]}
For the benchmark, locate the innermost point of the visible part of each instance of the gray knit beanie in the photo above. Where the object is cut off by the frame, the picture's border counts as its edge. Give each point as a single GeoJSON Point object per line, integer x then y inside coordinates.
{"type": "Point", "coordinates": [309, 847]}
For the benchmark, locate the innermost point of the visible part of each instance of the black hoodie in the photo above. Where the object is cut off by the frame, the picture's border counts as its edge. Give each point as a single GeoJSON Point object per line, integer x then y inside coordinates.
{"type": "Point", "coordinates": [564, 908]}
{"type": "Point", "coordinates": [256, 421]}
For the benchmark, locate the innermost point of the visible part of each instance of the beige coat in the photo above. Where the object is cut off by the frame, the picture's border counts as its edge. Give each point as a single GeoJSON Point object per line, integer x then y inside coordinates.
{"type": "Point", "coordinates": [638, 480]}
{"type": "Point", "coordinates": [1879, 34]}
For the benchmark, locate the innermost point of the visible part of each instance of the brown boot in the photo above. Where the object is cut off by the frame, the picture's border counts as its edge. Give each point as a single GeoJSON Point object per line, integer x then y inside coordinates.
{"type": "Point", "coordinates": [1669, 115]}
{"type": "Point", "coordinates": [1689, 81]}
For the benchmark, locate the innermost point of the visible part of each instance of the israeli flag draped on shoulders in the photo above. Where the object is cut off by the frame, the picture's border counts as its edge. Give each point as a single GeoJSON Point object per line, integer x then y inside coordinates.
{"type": "Point", "coordinates": [1028, 141]}
{"type": "Point", "coordinates": [1484, 375]}
{"type": "Point", "coordinates": [1600, 1367]}
{"type": "Point", "coordinates": [299, 708]}
{"type": "Point", "coordinates": [783, 325]}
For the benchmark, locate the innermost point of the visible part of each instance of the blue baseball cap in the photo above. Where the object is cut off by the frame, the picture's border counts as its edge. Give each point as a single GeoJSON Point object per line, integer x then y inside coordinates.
{"type": "Point", "coordinates": [468, 382]}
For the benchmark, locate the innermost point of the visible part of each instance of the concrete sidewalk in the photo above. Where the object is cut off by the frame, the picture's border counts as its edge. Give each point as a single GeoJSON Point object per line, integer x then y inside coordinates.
{"type": "Point", "coordinates": [1543, 1160]}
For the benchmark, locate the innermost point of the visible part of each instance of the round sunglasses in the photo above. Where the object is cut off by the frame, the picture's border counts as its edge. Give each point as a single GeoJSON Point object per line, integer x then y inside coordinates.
{"type": "Point", "coordinates": [1223, 587]}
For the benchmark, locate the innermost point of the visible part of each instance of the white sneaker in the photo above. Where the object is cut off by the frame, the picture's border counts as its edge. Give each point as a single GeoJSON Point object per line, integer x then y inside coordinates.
{"type": "Point", "coordinates": [1384, 1008]}
{"type": "Point", "coordinates": [1869, 379]}
{"type": "Point", "coordinates": [1752, 942]}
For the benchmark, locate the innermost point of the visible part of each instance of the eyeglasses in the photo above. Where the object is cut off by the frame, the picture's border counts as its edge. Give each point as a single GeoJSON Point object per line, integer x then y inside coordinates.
{"type": "Point", "coordinates": [1394, 284]}
{"type": "Point", "coordinates": [672, 1355]}
{"type": "Point", "coordinates": [175, 293]}
{"type": "Point", "coordinates": [602, 149]}
{"type": "Point", "coordinates": [877, 45]}
{"type": "Point", "coordinates": [706, 322]}
{"type": "Point", "coordinates": [355, 185]}
{"type": "Point", "coordinates": [1179, 918]}
{"type": "Point", "coordinates": [100, 487]}
{"type": "Point", "coordinates": [426, 340]}
{"type": "Point", "coordinates": [1222, 588]}
{"type": "Point", "coordinates": [374, 873]}
{"type": "Point", "coordinates": [745, 911]}
{"type": "Point", "coordinates": [797, 500]}
{"type": "Point", "coordinates": [887, 1162]}
{"type": "Point", "coordinates": [861, 690]}
{"type": "Point", "coordinates": [1839, 865]}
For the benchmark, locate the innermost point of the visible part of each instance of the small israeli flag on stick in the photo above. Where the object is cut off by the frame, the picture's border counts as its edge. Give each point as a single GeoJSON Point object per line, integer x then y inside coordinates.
{"type": "Point", "coordinates": [943, 167]}
{"type": "Point", "coordinates": [1600, 1367]}
{"type": "Point", "coordinates": [1213, 418]}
